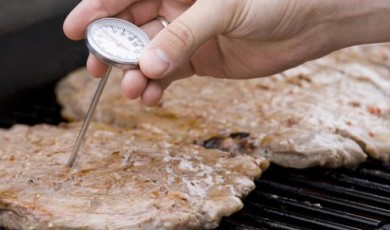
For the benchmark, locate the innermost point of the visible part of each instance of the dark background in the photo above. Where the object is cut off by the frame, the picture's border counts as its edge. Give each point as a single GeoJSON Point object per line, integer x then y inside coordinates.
{"type": "Point", "coordinates": [33, 48]}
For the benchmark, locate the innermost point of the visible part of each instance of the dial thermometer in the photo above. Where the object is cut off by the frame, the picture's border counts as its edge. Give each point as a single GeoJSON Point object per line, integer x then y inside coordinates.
{"type": "Point", "coordinates": [118, 43]}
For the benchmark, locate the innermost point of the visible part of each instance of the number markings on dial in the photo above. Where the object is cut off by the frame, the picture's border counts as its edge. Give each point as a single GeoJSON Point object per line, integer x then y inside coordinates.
{"type": "Point", "coordinates": [116, 41]}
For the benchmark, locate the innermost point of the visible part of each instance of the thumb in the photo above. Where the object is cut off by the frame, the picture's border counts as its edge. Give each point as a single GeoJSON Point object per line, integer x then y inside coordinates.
{"type": "Point", "coordinates": [175, 44]}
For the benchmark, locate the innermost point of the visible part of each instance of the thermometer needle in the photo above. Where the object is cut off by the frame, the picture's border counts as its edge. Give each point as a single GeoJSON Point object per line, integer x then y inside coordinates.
{"type": "Point", "coordinates": [88, 118]}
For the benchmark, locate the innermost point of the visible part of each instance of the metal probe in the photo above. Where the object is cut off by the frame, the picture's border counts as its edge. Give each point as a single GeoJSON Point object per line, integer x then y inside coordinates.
{"type": "Point", "coordinates": [88, 117]}
{"type": "Point", "coordinates": [115, 42]}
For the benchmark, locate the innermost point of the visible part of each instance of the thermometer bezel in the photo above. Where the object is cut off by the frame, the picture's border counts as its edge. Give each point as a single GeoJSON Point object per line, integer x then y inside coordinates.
{"type": "Point", "coordinates": [105, 56]}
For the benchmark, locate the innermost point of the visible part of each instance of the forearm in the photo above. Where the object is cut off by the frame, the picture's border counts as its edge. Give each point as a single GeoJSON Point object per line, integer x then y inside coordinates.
{"type": "Point", "coordinates": [352, 22]}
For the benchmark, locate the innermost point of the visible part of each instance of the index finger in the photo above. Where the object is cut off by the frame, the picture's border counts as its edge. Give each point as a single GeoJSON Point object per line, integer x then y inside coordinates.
{"type": "Point", "coordinates": [87, 11]}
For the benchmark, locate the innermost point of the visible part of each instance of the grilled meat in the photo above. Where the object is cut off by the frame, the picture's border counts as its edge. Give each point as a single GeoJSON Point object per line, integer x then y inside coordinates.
{"type": "Point", "coordinates": [138, 178]}
{"type": "Point", "coordinates": [331, 112]}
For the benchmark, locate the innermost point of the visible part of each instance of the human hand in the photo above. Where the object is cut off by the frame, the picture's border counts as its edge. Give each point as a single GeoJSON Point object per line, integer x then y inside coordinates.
{"type": "Point", "coordinates": [227, 39]}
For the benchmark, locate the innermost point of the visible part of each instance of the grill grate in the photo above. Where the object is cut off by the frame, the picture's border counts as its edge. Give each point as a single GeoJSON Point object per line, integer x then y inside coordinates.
{"type": "Point", "coordinates": [284, 199]}
{"type": "Point", "coordinates": [317, 199]}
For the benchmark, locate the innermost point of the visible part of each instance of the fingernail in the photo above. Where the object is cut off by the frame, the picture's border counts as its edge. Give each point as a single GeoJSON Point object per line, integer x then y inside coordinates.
{"type": "Point", "coordinates": [159, 60]}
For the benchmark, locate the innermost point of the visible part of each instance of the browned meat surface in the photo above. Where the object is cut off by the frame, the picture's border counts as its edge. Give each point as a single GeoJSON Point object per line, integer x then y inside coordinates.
{"type": "Point", "coordinates": [138, 178]}
{"type": "Point", "coordinates": [330, 112]}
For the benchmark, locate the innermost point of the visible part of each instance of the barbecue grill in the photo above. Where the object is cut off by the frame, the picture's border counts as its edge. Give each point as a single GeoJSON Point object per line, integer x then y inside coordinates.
{"type": "Point", "coordinates": [315, 198]}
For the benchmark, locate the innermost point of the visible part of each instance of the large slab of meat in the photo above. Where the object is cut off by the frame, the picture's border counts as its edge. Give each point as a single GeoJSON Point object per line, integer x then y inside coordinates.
{"type": "Point", "coordinates": [331, 112]}
{"type": "Point", "coordinates": [138, 178]}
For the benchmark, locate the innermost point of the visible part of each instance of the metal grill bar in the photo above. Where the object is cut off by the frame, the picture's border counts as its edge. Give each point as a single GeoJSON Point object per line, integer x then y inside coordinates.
{"type": "Point", "coordinates": [341, 191]}
{"type": "Point", "coordinates": [362, 183]}
{"type": "Point", "coordinates": [252, 222]}
{"type": "Point", "coordinates": [295, 218]}
{"type": "Point", "coordinates": [319, 199]}
{"type": "Point", "coordinates": [315, 209]}
{"type": "Point", "coordinates": [324, 200]}
{"type": "Point", "coordinates": [374, 175]}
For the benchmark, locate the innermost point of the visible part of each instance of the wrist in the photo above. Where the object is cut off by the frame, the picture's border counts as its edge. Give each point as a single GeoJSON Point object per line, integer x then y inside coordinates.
{"type": "Point", "coordinates": [353, 22]}
{"type": "Point", "coordinates": [337, 24]}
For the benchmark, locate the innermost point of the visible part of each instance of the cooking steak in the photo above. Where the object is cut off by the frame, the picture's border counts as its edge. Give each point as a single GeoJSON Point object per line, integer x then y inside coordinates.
{"type": "Point", "coordinates": [139, 178]}
{"type": "Point", "coordinates": [328, 112]}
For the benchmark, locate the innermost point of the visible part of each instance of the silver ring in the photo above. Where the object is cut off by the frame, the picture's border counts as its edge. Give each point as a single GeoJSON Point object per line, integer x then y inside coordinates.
{"type": "Point", "coordinates": [163, 20]}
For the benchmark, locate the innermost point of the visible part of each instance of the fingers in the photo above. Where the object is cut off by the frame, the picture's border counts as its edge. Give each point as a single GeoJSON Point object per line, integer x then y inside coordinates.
{"type": "Point", "coordinates": [95, 67]}
{"type": "Point", "coordinates": [174, 45]}
{"type": "Point", "coordinates": [87, 11]}
{"type": "Point", "coordinates": [135, 85]}
{"type": "Point", "coordinates": [153, 93]}
{"type": "Point", "coordinates": [139, 12]}
{"type": "Point", "coordinates": [152, 28]}
{"type": "Point", "coordinates": [167, 55]}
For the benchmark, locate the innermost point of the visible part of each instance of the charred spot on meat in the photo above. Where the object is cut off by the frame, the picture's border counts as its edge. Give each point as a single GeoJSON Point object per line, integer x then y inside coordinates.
{"type": "Point", "coordinates": [236, 143]}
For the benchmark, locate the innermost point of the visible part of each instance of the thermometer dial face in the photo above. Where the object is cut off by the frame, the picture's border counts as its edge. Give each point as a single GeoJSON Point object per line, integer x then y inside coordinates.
{"type": "Point", "coordinates": [116, 41]}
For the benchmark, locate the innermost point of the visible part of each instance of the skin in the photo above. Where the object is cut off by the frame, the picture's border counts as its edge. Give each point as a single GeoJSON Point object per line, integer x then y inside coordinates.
{"type": "Point", "coordinates": [231, 38]}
